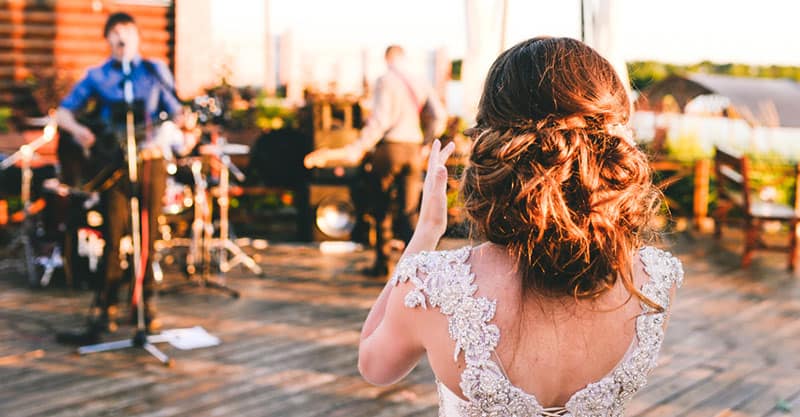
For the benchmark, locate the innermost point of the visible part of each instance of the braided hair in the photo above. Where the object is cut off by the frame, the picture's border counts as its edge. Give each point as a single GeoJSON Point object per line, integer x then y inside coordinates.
{"type": "Point", "coordinates": [552, 177]}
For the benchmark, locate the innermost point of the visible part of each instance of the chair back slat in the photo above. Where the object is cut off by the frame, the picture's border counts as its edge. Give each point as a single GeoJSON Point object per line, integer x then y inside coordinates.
{"type": "Point", "coordinates": [733, 190]}
{"type": "Point", "coordinates": [733, 172]}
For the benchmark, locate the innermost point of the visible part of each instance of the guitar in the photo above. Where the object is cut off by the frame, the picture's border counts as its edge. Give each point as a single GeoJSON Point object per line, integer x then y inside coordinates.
{"type": "Point", "coordinates": [88, 170]}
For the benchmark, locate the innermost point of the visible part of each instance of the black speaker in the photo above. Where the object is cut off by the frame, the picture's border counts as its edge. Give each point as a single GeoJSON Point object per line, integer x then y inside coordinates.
{"type": "Point", "coordinates": [333, 212]}
{"type": "Point", "coordinates": [327, 207]}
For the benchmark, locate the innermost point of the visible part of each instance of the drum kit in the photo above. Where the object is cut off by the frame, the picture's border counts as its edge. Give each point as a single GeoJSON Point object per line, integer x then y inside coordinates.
{"type": "Point", "coordinates": [196, 193]}
{"type": "Point", "coordinates": [67, 234]}
{"type": "Point", "coordinates": [23, 158]}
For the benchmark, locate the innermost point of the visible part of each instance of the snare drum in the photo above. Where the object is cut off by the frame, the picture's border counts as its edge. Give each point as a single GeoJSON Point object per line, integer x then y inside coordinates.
{"type": "Point", "coordinates": [177, 196]}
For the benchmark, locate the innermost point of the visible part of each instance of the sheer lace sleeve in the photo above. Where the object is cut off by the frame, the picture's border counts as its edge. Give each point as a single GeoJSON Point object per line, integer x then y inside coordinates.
{"type": "Point", "coordinates": [664, 271]}
{"type": "Point", "coordinates": [443, 279]}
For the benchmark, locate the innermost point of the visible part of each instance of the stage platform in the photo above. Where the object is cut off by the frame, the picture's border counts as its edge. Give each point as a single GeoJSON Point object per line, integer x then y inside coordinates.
{"type": "Point", "coordinates": [289, 345]}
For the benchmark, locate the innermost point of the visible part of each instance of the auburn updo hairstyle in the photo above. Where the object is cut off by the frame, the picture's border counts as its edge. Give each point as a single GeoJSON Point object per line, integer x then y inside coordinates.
{"type": "Point", "coordinates": [552, 176]}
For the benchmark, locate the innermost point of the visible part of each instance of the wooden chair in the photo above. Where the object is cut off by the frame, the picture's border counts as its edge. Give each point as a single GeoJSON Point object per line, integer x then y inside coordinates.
{"type": "Point", "coordinates": [734, 191]}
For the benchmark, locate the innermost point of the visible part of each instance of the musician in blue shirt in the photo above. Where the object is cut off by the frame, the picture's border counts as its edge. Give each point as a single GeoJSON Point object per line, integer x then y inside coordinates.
{"type": "Point", "coordinates": [152, 86]}
{"type": "Point", "coordinates": [152, 99]}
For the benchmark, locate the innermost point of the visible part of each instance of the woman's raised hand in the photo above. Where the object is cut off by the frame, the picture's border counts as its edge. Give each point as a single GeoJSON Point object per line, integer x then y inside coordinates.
{"type": "Point", "coordinates": [433, 210]}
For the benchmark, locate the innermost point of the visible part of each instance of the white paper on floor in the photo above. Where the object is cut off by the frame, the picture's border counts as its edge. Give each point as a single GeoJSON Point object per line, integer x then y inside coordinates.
{"type": "Point", "coordinates": [185, 339]}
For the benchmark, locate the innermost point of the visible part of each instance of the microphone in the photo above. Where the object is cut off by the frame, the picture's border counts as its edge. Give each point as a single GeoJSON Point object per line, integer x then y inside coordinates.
{"type": "Point", "coordinates": [26, 151]}
{"type": "Point", "coordinates": [127, 86]}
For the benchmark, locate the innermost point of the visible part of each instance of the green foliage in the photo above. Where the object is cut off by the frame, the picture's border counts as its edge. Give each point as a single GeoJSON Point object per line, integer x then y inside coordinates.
{"type": "Point", "coordinates": [5, 118]}
{"type": "Point", "coordinates": [272, 114]}
{"type": "Point", "coordinates": [261, 111]}
{"type": "Point", "coordinates": [770, 173]}
{"type": "Point", "coordinates": [773, 170]}
{"type": "Point", "coordinates": [686, 148]}
{"type": "Point", "coordinates": [455, 69]}
{"type": "Point", "coordinates": [783, 406]}
{"type": "Point", "coordinates": [644, 73]}
{"type": "Point", "coordinates": [678, 197]}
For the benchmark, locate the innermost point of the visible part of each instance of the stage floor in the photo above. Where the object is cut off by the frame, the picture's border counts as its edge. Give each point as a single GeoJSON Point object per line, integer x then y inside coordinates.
{"type": "Point", "coordinates": [289, 345]}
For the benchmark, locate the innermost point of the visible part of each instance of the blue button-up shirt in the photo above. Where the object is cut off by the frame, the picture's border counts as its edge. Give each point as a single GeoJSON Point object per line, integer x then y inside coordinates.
{"type": "Point", "coordinates": [152, 87]}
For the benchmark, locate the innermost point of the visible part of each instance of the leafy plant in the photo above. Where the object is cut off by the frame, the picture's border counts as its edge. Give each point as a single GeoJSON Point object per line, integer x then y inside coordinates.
{"type": "Point", "coordinates": [644, 73]}
{"type": "Point", "coordinates": [5, 118]}
{"type": "Point", "coordinates": [272, 113]}
{"type": "Point", "coordinates": [48, 86]}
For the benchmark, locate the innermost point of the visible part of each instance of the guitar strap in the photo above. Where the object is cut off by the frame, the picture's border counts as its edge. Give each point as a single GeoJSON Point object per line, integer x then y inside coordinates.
{"type": "Point", "coordinates": [153, 70]}
{"type": "Point", "coordinates": [116, 172]}
{"type": "Point", "coordinates": [411, 93]}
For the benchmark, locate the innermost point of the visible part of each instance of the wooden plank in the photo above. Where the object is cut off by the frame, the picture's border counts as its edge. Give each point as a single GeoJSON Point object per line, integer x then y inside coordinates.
{"type": "Point", "coordinates": [778, 383]}
{"type": "Point", "coordinates": [27, 31]}
{"type": "Point", "coordinates": [684, 401]}
{"type": "Point", "coordinates": [289, 347]}
{"type": "Point", "coordinates": [789, 405]}
{"type": "Point", "coordinates": [70, 395]}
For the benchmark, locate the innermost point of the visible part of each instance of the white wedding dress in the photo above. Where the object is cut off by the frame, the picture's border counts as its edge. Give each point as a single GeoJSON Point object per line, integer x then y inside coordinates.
{"type": "Point", "coordinates": [443, 279]}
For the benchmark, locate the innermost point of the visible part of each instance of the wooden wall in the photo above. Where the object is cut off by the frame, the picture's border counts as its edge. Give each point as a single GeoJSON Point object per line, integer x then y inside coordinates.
{"type": "Point", "coordinates": [47, 45]}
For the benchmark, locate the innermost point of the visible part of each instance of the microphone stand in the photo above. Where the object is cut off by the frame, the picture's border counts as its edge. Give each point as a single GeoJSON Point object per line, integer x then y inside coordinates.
{"type": "Point", "coordinates": [140, 337]}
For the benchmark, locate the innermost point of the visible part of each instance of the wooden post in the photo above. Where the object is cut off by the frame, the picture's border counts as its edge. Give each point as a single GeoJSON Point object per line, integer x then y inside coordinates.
{"type": "Point", "coordinates": [702, 169]}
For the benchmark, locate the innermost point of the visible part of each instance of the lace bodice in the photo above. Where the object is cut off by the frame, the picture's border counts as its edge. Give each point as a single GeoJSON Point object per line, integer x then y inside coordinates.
{"type": "Point", "coordinates": [443, 280]}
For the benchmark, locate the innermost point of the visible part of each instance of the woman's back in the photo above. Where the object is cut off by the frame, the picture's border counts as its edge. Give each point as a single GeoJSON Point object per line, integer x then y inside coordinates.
{"type": "Point", "coordinates": [562, 318]}
{"type": "Point", "coordinates": [531, 356]}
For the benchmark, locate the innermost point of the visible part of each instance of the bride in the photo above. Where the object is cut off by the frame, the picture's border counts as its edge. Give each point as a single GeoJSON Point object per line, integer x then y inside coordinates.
{"type": "Point", "coordinates": [562, 311]}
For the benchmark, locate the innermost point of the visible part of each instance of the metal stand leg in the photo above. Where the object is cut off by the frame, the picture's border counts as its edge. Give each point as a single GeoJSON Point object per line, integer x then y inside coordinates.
{"type": "Point", "coordinates": [147, 345]}
{"type": "Point", "coordinates": [199, 258]}
{"type": "Point", "coordinates": [50, 264]}
{"type": "Point", "coordinates": [239, 257]}
{"type": "Point", "coordinates": [225, 243]}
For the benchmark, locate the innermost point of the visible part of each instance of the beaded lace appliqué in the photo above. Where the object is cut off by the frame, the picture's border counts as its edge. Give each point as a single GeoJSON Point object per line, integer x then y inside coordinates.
{"type": "Point", "coordinates": [444, 279]}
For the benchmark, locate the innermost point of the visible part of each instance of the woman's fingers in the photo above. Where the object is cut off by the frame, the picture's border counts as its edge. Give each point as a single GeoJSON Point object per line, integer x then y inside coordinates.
{"type": "Point", "coordinates": [433, 156]}
{"type": "Point", "coordinates": [445, 153]}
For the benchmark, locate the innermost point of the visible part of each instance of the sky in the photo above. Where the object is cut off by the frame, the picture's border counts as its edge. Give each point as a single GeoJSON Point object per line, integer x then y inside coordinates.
{"type": "Point", "coordinates": [333, 37]}
{"type": "Point", "coordinates": [678, 31]}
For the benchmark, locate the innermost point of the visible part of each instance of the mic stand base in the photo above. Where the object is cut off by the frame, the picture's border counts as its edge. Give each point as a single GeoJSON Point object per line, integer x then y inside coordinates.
{"type": "Point", "coordinates": [140, 339]}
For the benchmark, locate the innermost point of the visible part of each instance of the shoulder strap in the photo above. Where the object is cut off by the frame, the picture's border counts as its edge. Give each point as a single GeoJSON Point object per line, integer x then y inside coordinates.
{"type": "Point", "coordinates": [152, 67]}
{"type": "Point", "coordinates": [444, 280]}
{"type": "Point", "coordinates": [410, 90]}
{"type": "Point", "coordinates": [664, 271]}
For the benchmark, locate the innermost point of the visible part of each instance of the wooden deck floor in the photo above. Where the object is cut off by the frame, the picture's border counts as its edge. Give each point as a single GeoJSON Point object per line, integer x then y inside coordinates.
{"type": "Point", "coordinates": [289, 346]}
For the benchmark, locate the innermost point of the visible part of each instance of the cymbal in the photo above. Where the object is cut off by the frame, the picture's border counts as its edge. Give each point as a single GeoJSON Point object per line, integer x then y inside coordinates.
{"type": "Point", "coordinates": [227, 149]}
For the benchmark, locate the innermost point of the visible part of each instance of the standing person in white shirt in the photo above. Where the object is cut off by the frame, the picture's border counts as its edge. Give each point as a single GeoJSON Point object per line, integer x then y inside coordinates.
{"type": "Point", "coordinates": [394, 137]}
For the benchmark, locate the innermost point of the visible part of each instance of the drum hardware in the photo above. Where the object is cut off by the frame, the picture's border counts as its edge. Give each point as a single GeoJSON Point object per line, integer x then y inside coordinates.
{"type": "Point", "coordinates": [222, 152]}
{"type": "Point", "coordinates": [198, 258]}
{"type": "Point", "coordinates": [203, 243]}
{"type": "Point", "coordinates": [24, 155]}
{"type": "Point", "coordinates": [50, 264]}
